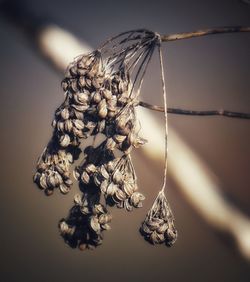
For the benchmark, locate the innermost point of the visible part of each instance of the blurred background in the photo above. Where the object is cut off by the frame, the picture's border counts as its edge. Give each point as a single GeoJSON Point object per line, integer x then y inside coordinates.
{"type": "Point", "coordinates": [202, 73]}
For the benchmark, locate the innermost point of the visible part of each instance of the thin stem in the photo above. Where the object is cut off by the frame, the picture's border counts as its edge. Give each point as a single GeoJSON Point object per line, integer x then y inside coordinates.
{"type": "Point", "coordinates": [166, 116]}
{"type": "Point", "coordinates": [177, 111]}
{"type": "Point", "coordinates": [203, 32]}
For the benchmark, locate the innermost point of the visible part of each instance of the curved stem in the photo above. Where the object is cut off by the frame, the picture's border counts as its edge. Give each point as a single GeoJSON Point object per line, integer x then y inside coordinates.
{"type": "Point", "coordinates": [166, 117]}
{"type": "Point", "coordinates": [177, 111]}
{"type": "Point", "coordinates": [203, 32]}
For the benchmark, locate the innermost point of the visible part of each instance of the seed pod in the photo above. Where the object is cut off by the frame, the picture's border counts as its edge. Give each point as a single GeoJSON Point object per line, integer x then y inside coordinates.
{"type": "Point", "coordinates": [97, 179]}
{"type": "Point", "coordinates": [41, 166]}
{"type": "Point", "coordinates": [88, 82]}
{"type": "Point", "coordinates": [73, 70]}
{"type": "Point", "coordinates": [60, 126]}
{"type": "Point", "coordinates": [52, 180]}
{"type": "Point", "coordinates": [69, 157]}
{"type": "Point", "coordinates": [36, 177]}
{"type": "Point", "coordinates": [65, 85]}
{"type": "Point", "coordinates": [64, 140]}
{"type": "Point", "coordinates": [110, 144]}
{"type": "Point", "coordinates": [95, 225]}
{"type": "Point", "coordinates": [90, 168]}
{"type": "Point", "coordinates": [78, 132]}
{"type": "Point", "coordinates": [120, 195]}
{"type": "Point", "coordinates": [136, 199]}
{"type": "Point", "coordinates": [117, 177]}
{"type": "Point", "coordinates": [119, 138]}
{"type": "Point", "coordinates": [73, 85]}
{"type": "Point", "coordinates": [146, 229]}
{"type": "Point", "coordinates": [68, 182]}
{"type": "Point", "coordinates": [102, 109]}
{"type": "Point", "coordinates": [80, 108]}
{"type": "Point", "coordinates": [170, 236]}
{"type": "Point", "coordinates": [106, 226]}
{"type": "Point", "coordinates": [81, 71]}
{"type": "Point", "coordinates": [111, 114]}
{"type": "Point", "coordinates": [65, 113]}
{"type": "Point", "coordinates": [104, 218]}
{"type": "Point", "coordinates": [81, 64]}
{"type": "Point", "coordinates": [81, 81]}
{"type": "Point", "coordinates": [104, 186]}
{"type": "Point", "coordinates": [121, 122]}
{"type": "Point", "coordinates": [104, 172]}
{"type": "Point", "coordinates": [111, 190]}
{"type": "Point", "coordinates": [81, 98]}
{"type": "Point", "coordinates": [107, 94]}
{"type": "Point", "coordinates": [98, 209]}
{"type": "Point", "coordinates": [78, 115]}
{"type": "Point", "coordinates": [128, 188]}
{"type": "Point", "coordinates": [162, 228]}
{"type": "Point", "coordinates": [78, 124]}
{"type": "Point", "coordinates": [59, 168]}
{"type": "Point", "coordinates": [54, 122]}
{"type": "Point", "coordinates": [78, 200]}
{"type": "Point", "coordinates": [64, 189]}
{"type": "Point", "coordinates": [85, 177]}
{"type": "Point", "coordinates": [127, 205]}
{"type": "Point", "coordinates": [90, 125]}
{"type": "Point", "coordinates": [43, 182]}
{"type": "Point", "coordinates": [83, 247]}
{"type": "Point", "coordinates": [156, 238]}
{"type": "Point", "coordinates": [139, 142]}
{"type": "Point", "coordinates": [68, 126]}
{"type": "Point", "coordinates": [97, 97]}
{"type": "Point", "coordinates": [154, 223]}
{"type": "Point", "coordinates": [101, 126]}
{"type": "Point", "coordinates": [48, 192]}
{"type": "Point", "coordinates": [110, 166]}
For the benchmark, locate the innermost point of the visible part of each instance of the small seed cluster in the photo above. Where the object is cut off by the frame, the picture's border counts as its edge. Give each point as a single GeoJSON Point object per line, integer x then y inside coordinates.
{"type": "Point", "coordinates": [53, 170]}
{"type": "Point", "coordinates": [158, 227]}
{"type": "Point", "coordinates": [100, 99]}
{"type": "Point", "coordinates": [115, 177]}
{"type": "Point", "coordinates": [86, 222]}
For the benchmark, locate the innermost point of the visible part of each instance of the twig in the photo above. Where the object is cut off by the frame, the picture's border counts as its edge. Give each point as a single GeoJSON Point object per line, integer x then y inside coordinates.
{"type": "Point", "coordinates": [177, 111]}
{"type": "Point", "coordinates": [203, 32]}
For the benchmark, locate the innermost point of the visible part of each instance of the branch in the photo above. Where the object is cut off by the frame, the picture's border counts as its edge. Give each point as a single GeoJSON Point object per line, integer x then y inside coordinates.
{"type": "Point", "coordinates": [203, 32]}
{"type": "Point", "coordinates": [176, 111]}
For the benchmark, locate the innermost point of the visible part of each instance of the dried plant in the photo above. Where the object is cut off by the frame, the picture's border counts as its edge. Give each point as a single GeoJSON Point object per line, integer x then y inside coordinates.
{"type": "Point", "coordinates": [102, 89]}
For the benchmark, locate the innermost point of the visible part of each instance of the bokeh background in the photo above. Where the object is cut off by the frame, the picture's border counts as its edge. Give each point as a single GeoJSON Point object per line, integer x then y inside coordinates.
{"type": "Point", "coordinates": [203, 73]}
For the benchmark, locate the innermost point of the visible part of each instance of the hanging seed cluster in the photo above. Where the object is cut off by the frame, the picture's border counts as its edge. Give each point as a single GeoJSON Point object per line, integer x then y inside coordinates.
{"type": "Point", "coordinates": [158, 227]}
{"type": "Point", "coordinates": [53, 169]}
{"type": "Point", "coordinates": [99, 99]}
{"type": "Point", "coordinates": [84, 226]}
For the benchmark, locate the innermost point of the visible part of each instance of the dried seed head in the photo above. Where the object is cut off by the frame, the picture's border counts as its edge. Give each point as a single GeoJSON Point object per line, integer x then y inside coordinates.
{"type": "Point", "coordinates": [158, 226]}
{"type": "Point", "coordinates": [64, 140]}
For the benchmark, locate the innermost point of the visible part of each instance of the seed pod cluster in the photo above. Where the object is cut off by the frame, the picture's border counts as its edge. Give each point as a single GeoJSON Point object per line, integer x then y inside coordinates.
{"type": "Point", "coordinates": [158, 227]}
{"type": "Point", "coordinates": [114, 177]}
{"type": "Point", "coordinates": [53, 171]}
{"type": "Point", "coordinates": [84, 226]}
{"type": "Point", "coordinates": [101, 90]}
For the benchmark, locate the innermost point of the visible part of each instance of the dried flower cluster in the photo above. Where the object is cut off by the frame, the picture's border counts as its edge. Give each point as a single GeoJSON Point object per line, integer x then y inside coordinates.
{"type": "Point", "coordinates": [101, 90]}
{"type": "Point", "coordinates": [158, 227]}
{"type": "Point", "coordinates": [86, 222]}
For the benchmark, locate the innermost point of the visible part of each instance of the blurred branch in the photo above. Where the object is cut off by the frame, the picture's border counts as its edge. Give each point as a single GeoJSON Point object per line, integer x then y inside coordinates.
{"type": "Point", "coordinates": [176, 111]}
{"type": "Point", "coordinates": [194, 178]}
{"type": "Point", "coordinates": [203, 32]}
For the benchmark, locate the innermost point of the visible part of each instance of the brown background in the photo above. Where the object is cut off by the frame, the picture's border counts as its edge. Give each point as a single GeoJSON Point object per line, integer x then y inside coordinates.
{"type": "Point", "coordinates": [202, 73]}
